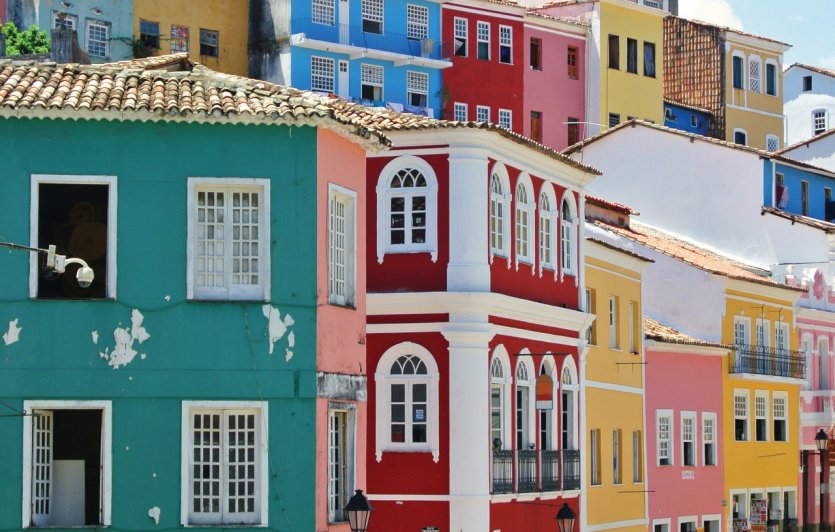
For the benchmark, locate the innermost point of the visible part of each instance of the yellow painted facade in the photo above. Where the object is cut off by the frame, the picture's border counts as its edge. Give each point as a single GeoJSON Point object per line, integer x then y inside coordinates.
{"type": "Point", "coordinates": [756, 464]}
{"type": "Point", "coordinates": [229, 18]}
{"type": "Point", "coordinates": [614, 278]}
{"type": "Point", "coordinates": [751, 109]}
{"type": "Point", "coordinates": [625, 93]}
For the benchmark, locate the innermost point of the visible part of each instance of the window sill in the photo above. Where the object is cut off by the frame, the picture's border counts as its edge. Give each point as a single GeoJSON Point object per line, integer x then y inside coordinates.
{"type": "Point", "coordinates": [253, 301]}
{"type": "Point", "coordinates": [220, 525]}
{"type": "Point", "coordinates": [342, 305]}
{"type": "Point", "coordinates": [71, 299]}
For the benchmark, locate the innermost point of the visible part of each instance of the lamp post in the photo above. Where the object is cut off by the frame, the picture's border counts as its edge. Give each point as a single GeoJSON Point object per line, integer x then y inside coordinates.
{"type": "Point", "coordinates": [359, 512]}
{"type": "Point", "coordinates": [822, 443]}
{"type": "Point", "coordinates": [565, 518]}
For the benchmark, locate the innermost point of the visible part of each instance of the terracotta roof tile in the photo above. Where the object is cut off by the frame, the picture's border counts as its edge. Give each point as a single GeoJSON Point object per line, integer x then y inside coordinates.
{"type": "Point", "coordinates": [739, 32]}
{"type": "Point", "coordinates": [173, 88]}
{"type": "Point", "coordinates": [625, 209]}
{"type": "Point", "coordinates": [654, 330]}
{"type": "Point", "coordinates": [828, 227]}
{"type": "Point", "coordinates": [690, 253]}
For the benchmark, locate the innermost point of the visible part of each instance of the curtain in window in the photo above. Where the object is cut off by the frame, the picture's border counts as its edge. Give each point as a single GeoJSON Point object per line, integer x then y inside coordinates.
{"type": "Point", "coordinates": [649, 59]}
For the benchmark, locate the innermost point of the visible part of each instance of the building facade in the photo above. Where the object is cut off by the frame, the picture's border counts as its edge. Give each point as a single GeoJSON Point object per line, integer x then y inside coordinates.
{"type": "Point", "coordinates": [474, 331]}
{"type": "Point", "coordinates": [124, 424]}
{"type": "Point", "coordinates": [809, 101]}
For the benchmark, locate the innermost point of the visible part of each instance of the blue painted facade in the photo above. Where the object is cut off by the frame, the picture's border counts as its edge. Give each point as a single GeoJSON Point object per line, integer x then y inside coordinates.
{"type": "Point", "coordinates": [116, 15]}
{"type": "Point", "coordinates": [791, 198]}
{"type": "Point", "coordinates": [685, 119]}
{"type": "Point", "coordinates": [345, 40]}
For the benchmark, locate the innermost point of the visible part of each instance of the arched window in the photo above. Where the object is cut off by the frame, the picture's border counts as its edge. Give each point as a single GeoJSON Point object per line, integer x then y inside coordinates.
{"type": "Point", "coordinates": [500, 383]}
{"type": "Point", "coordinates": [407, 400]}
{"type": "Point", "coordinates": [547, 425]}
{"type": "Point", "coordinates": [406, 208]}
{"type": "Point", "coordinates": [524, 220]}
{"type": "Point", "coordinates": [499, 198]}
{"type": "Point", "coordinates": [568, 406]}
{"type": "Point", "coordinates": [547, 228]}
{"type": "Point", "coordinates": [524, 407]}
{"type": "Point", "coordinates": [568, 228]}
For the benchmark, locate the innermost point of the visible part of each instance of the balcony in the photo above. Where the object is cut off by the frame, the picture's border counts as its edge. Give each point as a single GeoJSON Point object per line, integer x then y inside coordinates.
{"type": "Point", "coordinates": [532, 471]}
{"type": "Point", "coordinates": [764, 360]}
{"type": "Point", "coordinates": [352, 40]}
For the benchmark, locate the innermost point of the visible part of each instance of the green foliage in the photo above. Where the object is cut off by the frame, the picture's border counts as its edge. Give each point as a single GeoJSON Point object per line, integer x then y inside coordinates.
{"type": "Point", "coordinates": [31, 41]}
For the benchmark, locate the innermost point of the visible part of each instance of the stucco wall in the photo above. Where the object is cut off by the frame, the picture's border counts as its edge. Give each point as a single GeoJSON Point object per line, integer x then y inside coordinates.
{"type": "Point", "coordinates": [799, 104]}
{"type": "Point", "coordinates": [118, 13]}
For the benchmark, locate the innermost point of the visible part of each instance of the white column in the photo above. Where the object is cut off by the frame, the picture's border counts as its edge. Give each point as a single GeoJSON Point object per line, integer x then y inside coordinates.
{"type": "Point", "coordinates": [468, 269]}
{"type": "Point", "coordinates": [469, 428]}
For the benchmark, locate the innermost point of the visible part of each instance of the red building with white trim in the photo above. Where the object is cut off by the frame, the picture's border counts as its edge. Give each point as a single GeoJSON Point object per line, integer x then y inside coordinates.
{"type": "Point", "coordinates": [474, 275]}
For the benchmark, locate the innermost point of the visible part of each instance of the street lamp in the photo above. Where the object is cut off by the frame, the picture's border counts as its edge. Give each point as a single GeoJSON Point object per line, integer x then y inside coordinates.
{"type": "Point", "coordinates": [359, 512]}
{"type": "Point", "coordinates": [565, 518]}
{"type": "Point", "coordinates": [57, 263]}
{"type": "Point", "coordinates": [822, 443]}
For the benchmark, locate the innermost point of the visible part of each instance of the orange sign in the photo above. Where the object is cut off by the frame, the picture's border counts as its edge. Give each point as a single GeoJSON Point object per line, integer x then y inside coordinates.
{"type": "Point", "coordinates": [544, 393]}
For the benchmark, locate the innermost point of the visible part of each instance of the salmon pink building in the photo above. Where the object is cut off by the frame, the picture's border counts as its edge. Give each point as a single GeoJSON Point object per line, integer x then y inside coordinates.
{"type": "Point", "coordinates": [684, 430]}
{"type": "Point", "coordinates": [554, 105]}
{"type": "Point", "coordinates": [486, 80]}
{"type": "Point", "coordinates": [474, 331]}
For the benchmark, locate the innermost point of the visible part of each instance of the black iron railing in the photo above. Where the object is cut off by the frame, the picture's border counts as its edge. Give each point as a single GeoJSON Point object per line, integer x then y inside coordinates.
{"type": "Point", "coordinates": [570, 470]}
{"type": "Point", "coordinates": [764, 360]}
{"type": "Point", "coordinates": [502, 472]}
{"type": "Point", "coordinates": [550, 470]}
{"type": "Point", "coordinates": [376, 38]}
{"type": "Point", "coordinates": [526, 468]}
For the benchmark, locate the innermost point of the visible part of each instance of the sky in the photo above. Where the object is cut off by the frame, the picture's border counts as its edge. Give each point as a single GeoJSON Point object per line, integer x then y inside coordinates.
{"type": "Point", "coordinates": [805, 24]}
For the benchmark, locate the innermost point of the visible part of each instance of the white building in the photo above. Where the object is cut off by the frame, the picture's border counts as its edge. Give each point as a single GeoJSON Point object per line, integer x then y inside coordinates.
{"type": "Point", "coordinates": [809, 101]}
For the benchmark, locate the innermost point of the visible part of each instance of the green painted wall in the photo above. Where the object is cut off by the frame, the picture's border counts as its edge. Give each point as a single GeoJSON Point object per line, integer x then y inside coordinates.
{"type": "Point", "coordinates": [197, 350]}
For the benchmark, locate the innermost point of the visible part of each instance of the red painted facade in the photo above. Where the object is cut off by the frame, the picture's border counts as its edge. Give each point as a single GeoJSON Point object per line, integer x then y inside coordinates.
{"type": "Point", "coordinates": [488, 82]}
{"type": "Point", "coordinates": [510, 318]}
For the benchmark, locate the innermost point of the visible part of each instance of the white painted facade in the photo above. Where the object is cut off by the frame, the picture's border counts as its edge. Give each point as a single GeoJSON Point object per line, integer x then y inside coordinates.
{"type": "Point", "coordinates": [800, 105]}
{"type": "Point", "coordinates": [819, 151]}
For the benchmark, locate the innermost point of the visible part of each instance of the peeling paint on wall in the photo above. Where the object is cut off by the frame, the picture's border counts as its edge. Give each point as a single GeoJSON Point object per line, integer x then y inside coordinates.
{"type": "Point", "coordinates": [13, 334]}
{"type": "Point", "coordinates": [124, 353]}
{"type": "Point", "coordinates": [95, 335]}
{"type": "Point", "coordinates": [276, 328]}
{"type": "Point", "coordinates": [153, 513]}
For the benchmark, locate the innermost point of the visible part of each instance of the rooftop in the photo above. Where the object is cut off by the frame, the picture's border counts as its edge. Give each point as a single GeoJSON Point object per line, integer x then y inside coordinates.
{"type": "Point", "coordinates": [739, 32]}
{"type": "Point", "coordinates": [657, 331]}
{"type": "Point", "coordinates": [820, 70]}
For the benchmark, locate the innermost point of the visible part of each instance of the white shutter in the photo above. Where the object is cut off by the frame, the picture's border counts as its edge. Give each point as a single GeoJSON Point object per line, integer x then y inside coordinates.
{"type": "Point", "coordinates": [42, 445]}
{"type": "Point", "coordinates": [338, 251]}
{"type": "Point", "coordinates": [242, 467]}
{"type": "Point", "coordinates": [206, 468]}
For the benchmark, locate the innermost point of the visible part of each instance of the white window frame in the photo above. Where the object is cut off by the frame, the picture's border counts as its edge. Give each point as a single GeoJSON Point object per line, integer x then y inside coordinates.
{"type": "Point", "coordinates": [112, 218]}
{"type": "Point", "coordinates": [745, 394]}
{"type": "Point", "coordinates": [568, 236]}
{"type": "Point", "coordinates": [100, 24]}
{"type": "Point", "coordinates": [781, 337]}
{"type": "Point", "coordinates": [523, 214]}
{"type": "Point", "coordinates": [482, 113]}
{"type": "Point", "coordinates": [773, 63]}
{"type": "Point", "coordinates": [349, 460]}
{"type": "Point", "coordinates": [187, 453]}
{"type": "Point", "coordinates": [740, 130]}
{"type": "Point", "coordinates": [462, 31]}
{"type": "Point", "coordinates": [417, 22]}
{"type": "Point", "coordinates": [570, 386]}
{"type": "Point", "coordinates": [499, 239]}
{"type": "Point", "coordinates": [690, 417]}
{"type": "Point", "coordinates": [712, 518]}
{"type": "Point", "coordinates": [784, 398]}
{"type": "Point", "coordinates": [483, 36]}
{"type": "Point", "coordinates": [614, 317]}
{"type": "Point", "coordinates": [506, 41]}
{"type": "Point", "coordinates": [373, 76]}
{"type": "Point", "coordinates": [260, 292]}
{"type": "Point", "coordinates": [506, 119]}
{"type": "Point", "coordinates": [659, 415]}
{"type": "Point", "coordinates": [319, 74]}
{"type": "Point", "coordinates": [500, 356]}
{"type": "Point", "coordinates": [374, 11]}
{"type": "Point", "coordinates": [106, 408]}
{"type": "Point", "coordinates": [526, 387]}
{"type": "Point", "coordinates": [417, 83]}
{"type": "Point", "coordinates": [745, 510]}
{"type": "Point", "coordinates": [712, 418]}
{"type": "Point", "coordinates": [459, 112]}
{"type": "Point", "coordinates": [762, 397]}
{"type": "Point", "coordinates": [323, 12]}
{"type": "Point", "coordinates": [685, 519]}
{"type": "Point", "coordinates": [821, 116]}
{"type": "Point", "coordinates": [383, 381]}
{"type": "Point", "coordinates": [662, 523]}
{"type": "Point", "coordinates": [384, 195]}
{"type": "Point", "coordinates": [755, 78]}
{"type": "Point", "coordinates": [548, 238]}
{"type": "Point", "coordinates": [773, 140]}
{"type": "Point", "coordinates": [70, 21]}
{"type": "Point", "coordinates": [349, 199]}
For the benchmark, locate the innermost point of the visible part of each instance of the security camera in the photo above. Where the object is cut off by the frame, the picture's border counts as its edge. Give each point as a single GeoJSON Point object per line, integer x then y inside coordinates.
{"type": "Point", "coordinates": [85, 276]}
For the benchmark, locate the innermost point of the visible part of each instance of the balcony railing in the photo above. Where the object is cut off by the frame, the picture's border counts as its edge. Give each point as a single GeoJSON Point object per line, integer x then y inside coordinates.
{"type": "Point", "coordinates": [354, 35]}
{"type": "Point", "coordinates": [764, 360]}
{"type": "Point", "coordinates": [532, 471]}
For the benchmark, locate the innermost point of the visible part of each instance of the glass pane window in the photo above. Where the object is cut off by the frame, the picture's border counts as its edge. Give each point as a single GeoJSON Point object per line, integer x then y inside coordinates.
{"type": "Point", "coordinates": [321, 74]}
{"type": "Point", "coordinates": [461, 37]}
{"type": "Point", "coordinates": [505, 44]}
{"type": "Point", "coordinates": [372, 82]}
{"type": "Point", "coordinates": [417, 88]}
{"type": "Point", "coordinates": [179, 39]}
{"type": "Point", "coordinates": [664, 440]}
{"type": "Point", "coordinates": [505, 118]}
{"type": "Point", "coordinates": [372, 16]}
{"type": "Point", "coordinates": [460, 112]}
{"type": "Point", "coordinates": [417, 22]}
{"type": "Point", "coordinates": [70, 22]}
{"type": "Point", "coordinates": [209, 43]}
{"type": "Point", "coordinates": [323, 12]}
{"type": "Point", "coordinates": [149, 33]}
{"type": "Point", "coordinates": [407, 222]}
{"type": "Point", "coordinates": [483, 40]}
{"type": "Point", "coordinates": [98, 39]}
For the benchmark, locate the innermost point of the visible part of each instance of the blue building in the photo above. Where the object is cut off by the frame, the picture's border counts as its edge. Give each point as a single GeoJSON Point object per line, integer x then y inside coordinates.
{"type": "Point", "coordinates": [378, 52]}
{"type": "Point", "coordinates": [799, 188]}
{"type": "Point", "coordinates": [686, 118]}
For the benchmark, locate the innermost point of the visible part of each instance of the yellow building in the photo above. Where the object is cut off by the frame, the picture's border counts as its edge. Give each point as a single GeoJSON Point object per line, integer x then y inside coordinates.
{"type": "Point", "coordinates": [760, 396]}
{"type": "Point", "coordinates": [214, 35]}
{"type": "Point", "coordinates": [613, 374]}
{"type": "Point", "coordinates": [753, 90]}
{"type": "Point", "coordinates": [625, 72]}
